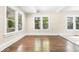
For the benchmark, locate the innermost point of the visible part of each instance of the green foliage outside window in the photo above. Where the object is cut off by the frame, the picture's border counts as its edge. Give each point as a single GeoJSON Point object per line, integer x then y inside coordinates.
{"type": "Point", "coordinates": [11, 23]}
{"type": "Point", "coordinates": [37, 22]}
{"type": "Point", "coordinates": [45, 22]}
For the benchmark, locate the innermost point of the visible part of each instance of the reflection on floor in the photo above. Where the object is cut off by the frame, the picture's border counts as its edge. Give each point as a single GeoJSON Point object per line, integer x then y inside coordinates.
{"type": "Point", "coordinates": [38, 44]}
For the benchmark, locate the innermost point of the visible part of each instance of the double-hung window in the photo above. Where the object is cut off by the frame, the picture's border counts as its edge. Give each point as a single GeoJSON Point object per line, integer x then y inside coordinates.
{"type": "Point", "coordinates": [41, 23]}
{"type": "Point", "coordinates": [69, 22]}
{"type": "Point", "coordinates": [37, 23]}
{"type": "Point", "coordinates": [19, 21]}
{"type": "Point", "coordinates": [13, 20]}
{"type": "Point", "coordinates": [77, 22]}
{"type": "Point", "coordinates": [73, 22]}
{"type": "Point", "coordinates": [45, 22]}
{"type": "Point", "coordinates": [10, 20]}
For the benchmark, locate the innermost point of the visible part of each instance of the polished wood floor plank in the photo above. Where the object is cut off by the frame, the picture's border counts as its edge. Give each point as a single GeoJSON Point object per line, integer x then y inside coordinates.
{"type": "Point", "coordinates": [38, 44]}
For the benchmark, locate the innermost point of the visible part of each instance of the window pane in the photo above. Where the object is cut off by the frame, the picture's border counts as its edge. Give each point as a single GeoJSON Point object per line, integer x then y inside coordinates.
{"type": "Point", "coordinates": [19, 22]}
{"type": "Point", "coordinates": [77, 22]}
{"type": "Point", "coordinates": [37, 22]}
{"type": "Point", "coordinates": [70, 22]}
{"type": "Point", "coordinates": [10, 20]}
{"type": "Point", "coordinates": [45, 22]}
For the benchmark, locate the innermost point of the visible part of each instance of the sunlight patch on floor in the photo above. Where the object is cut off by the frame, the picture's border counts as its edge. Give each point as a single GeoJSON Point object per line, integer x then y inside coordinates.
{"type": "Point", "coordinates": [20, 48]}
{"type": "Point", "coordinates": [37, 44]}
{"type": "Point", "coordinates": [45, 44]}
{"type": "Point", "coordinates": [41, 44]}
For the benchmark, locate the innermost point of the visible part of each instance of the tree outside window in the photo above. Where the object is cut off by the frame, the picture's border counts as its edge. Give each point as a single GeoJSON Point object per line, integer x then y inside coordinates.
{"type": "Point", "coordinates": [37, 22]}
{"type": "Point", "coordinates": [45, 22]}
{"type": "Point", "coordinates": [41, 22]}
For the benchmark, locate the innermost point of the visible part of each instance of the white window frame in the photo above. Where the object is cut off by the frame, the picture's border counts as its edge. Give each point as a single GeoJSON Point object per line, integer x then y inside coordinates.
{"type": "Point", "coordinates": [39, 24]}
{"type": "Point", "coordinates": [41, 21]}
{"type": "Point", "coordinates": [74, 22]}
{"type": "Point", "coordinates": [16, 21]}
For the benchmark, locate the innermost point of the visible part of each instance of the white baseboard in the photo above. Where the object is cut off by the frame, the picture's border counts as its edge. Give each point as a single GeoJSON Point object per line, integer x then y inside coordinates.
{"type": "Point", "coordinates": [42, 34]}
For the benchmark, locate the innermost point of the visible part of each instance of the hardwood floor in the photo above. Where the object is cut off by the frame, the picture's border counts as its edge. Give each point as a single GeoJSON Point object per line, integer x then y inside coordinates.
{"type": "Point", "coordinates": [38, 44]}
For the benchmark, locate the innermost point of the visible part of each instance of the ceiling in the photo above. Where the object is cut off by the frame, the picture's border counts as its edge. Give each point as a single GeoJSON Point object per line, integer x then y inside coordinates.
{"type": "Point", "coordinates": [41, 9]}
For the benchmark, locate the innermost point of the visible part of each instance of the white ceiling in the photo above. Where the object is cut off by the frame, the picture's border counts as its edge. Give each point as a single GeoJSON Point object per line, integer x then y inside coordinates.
{"type": "Point", "coordinates": [35, 9]}
{"type": "Point", "coordinates": [48, 8]}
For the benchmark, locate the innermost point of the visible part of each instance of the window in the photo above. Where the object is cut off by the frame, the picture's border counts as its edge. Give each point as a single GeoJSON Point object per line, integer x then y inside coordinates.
{"type": "Point", "coordinates": [70, 22]}
{"type": "Point", "coordinates": [10, 20]}
{"type": "Point", "coordinates": [19, 21]}
{"type": "Point", "coordinates": [77, 22]}
{"type": "Point", "coordinates": [13, 20]}
{"type": "Point", "coordinates": [73, 22]}
{"type": "Point", "coordinates": [45, 22]}
{"type": "Point", "coordinates": [37, 22]}
{"type": "Point", "coordinates": [41, 22]}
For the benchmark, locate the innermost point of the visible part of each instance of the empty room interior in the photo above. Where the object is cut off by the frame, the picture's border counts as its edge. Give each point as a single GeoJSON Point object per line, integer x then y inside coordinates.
{"type": "Point", "coordinates": [39, 28]}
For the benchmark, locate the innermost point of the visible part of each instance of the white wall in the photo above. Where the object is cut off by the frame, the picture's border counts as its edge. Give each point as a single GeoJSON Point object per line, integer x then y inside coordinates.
{"type": "Point", "coordinates": [63, 23]}
{"type": "Point", "coordinates": [30, 25]}
{"type": "Point", "coordinates": [2, 12]}
{"type": "Point", "coordinates": [57, 24]}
